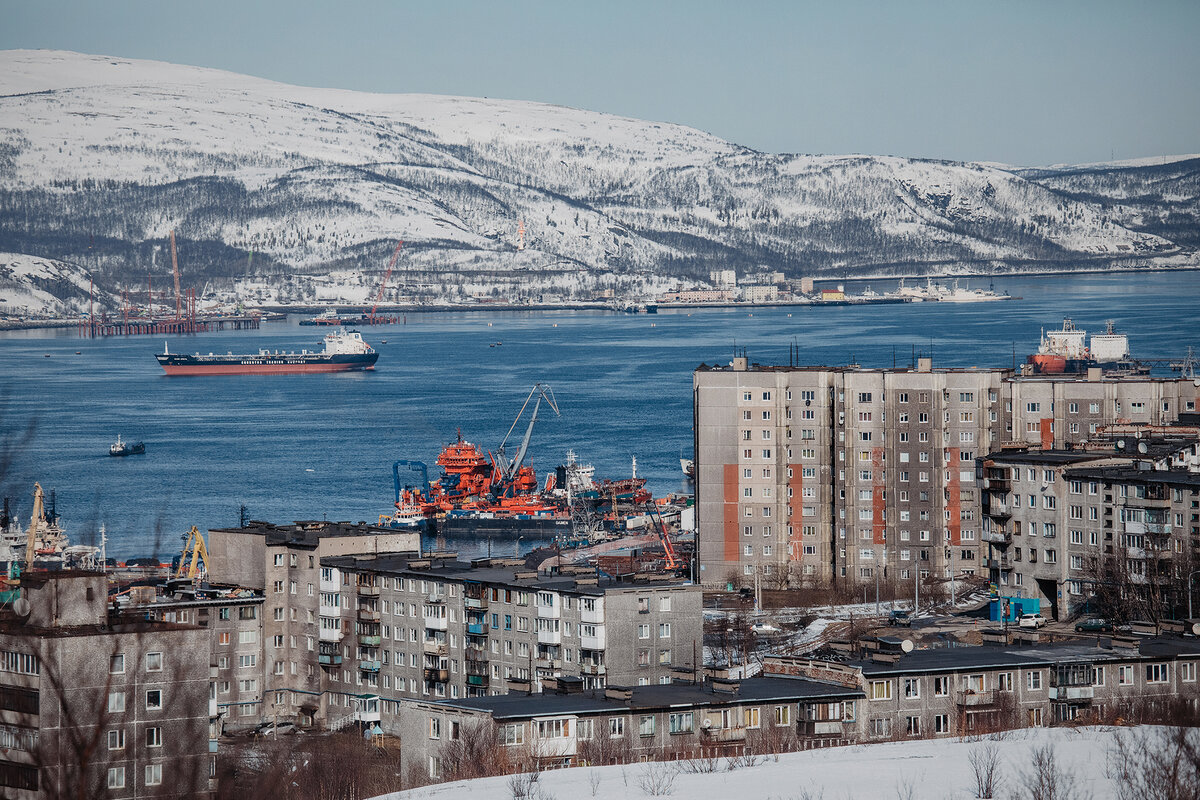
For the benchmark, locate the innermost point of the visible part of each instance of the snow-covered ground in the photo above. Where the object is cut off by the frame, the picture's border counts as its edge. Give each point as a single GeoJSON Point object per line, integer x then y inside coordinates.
{"type": "Point", "coordinates": [928, 769]}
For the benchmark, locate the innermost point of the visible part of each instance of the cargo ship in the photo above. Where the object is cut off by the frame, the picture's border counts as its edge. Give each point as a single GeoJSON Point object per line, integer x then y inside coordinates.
{"type": "Point", "coordinates": [344, 351]}
{"type": "Point", "coordinates": [1065, 352]}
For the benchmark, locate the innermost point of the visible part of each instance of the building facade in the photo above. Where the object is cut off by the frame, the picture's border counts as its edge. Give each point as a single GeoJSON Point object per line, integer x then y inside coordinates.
{"type": "Point", "coordinates": [847, 475]}
{"type": "Point", "coordinates": [97, 702]}
{"type": "Point", "coordinates": [395, 627]}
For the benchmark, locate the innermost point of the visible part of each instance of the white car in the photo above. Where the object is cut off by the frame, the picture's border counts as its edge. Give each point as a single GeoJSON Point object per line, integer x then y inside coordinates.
{"type": "Point", "coordinates": [1031, 621]}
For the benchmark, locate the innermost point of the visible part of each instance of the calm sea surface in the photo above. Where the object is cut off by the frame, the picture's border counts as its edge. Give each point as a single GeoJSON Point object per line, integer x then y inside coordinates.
{"type": "Point", "coordinates": [313, 446]}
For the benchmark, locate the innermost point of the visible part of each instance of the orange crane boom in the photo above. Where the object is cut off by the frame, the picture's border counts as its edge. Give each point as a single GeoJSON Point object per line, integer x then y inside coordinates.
{"type": "Point", "coordinates": [660, 528]}
{"type": "Point", "coordinates": [386, 275]}
{"type": "Point", "coordinates": [175, 267]}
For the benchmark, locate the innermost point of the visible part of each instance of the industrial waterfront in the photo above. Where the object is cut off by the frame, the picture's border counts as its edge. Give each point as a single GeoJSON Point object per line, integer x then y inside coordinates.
{"type": "Point", "coordinates": [314, 446]}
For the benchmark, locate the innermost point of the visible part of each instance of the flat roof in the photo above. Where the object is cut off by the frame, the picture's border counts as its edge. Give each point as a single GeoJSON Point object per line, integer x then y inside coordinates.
{"type": "Point", "coordinates": [308, 533]}
{"type": "Point", "coordinates": [1124, 474]}
{"type": "Point", "coordinates": [655, 698]}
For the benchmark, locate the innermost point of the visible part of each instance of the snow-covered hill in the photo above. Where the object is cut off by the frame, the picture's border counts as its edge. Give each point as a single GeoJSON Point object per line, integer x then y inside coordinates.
{"type": "Point", "coordinates": [32, 286]}
{"type": "Point", "coordinates": [105, 156]}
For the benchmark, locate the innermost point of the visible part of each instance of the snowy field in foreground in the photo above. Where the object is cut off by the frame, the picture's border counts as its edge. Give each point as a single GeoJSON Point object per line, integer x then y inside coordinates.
{"type": "Point", "coordinates": [921, 770]}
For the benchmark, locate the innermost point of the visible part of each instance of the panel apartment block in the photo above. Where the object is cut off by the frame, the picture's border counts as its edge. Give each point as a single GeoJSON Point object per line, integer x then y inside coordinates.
{"type": "Point", "coordinates": [818, 475]}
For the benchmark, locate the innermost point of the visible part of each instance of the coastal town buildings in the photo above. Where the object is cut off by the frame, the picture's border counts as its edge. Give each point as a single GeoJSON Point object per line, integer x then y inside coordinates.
{"type": "Point", "coordinates": [97, 702]}
{"type": "Point", "coordinates": [1118, 519]}
{"type": "Point", "coordinates": [824, 475]}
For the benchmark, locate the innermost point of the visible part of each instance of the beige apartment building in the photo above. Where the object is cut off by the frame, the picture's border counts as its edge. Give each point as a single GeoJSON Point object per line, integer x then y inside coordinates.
{"type": "Point", "coordinates": [826, 475]}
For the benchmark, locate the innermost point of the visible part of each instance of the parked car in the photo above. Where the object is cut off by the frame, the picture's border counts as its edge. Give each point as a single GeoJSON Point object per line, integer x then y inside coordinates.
{"type": "Point", "coordinates": [1031, 621]}
{"type": "Point", "coordinates": [273, 729]}
{"type": "Point", "coordinates": [1094, 625]}
{"type": "Point", "coordinates": [900, 618]}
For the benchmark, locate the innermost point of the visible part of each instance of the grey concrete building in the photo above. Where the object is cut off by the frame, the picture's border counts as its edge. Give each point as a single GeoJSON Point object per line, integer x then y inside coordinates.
{"type": "Point", "coordinates": [1124, 509]}
{"type": "Point", "coordinates": [100, 702]}
{"type": "Point", "coordinates": [283, 563]}
{"type": "Point", "coordinates": [435, 627]}
{"type": "Point", "coordinates": [820, 475]}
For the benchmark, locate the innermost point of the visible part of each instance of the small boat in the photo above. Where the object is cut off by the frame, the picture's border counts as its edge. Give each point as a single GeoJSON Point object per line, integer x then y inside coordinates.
{"type": "Point", "coordinates": [121, 448]}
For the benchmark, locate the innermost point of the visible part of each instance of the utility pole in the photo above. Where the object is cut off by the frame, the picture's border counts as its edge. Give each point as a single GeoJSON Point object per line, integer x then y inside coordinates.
{"type": "Point", "coordinates": [876, 571]}
{"type": "Point", "coordinates": [916, 588]}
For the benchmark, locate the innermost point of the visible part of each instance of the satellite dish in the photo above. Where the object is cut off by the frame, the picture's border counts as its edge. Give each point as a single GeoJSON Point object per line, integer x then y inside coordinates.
{"type": "Point", "coordinates": [907, 645]}
{"type": "Point", "coordinates": [21, 607]}
{"type": "Point", "coordinates": [1142, 448]}
{"type": "Point", "coordinates": [706, 724]}
{"type": "Point", "coordinates": [1120, 444]}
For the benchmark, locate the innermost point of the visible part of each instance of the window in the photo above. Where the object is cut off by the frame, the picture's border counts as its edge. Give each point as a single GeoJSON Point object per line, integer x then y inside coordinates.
{"type": "Point", "coordinates": [881, 690]}
{"type": "Point", "coordinates": [1125, 675]}
{"type": "Point", "coordinates": [435, 728]}
{"type": "Point", "coordinates": [116, 702]}
{"type": "Point", "coordinates": [153, 737]}
{"type": "Point", "coordinates": [912, 687]}
{"type": "Point", "coordinates": [783, 715]}
{"type": "Point", "coordinates": [752, 717]}
{"type": "Point", "coordinates": [680, 722]}
{"type": "Point", "coordinates": [116, 778]}
{"type": "Point", "coordinates": [116, 740]}
{"type": "Point", "coordinates": [1034, 680]}
{"type": "Point", "coordinates": [664, 630]}
{"type": "Point", "coordinates": [912, 726]}
{"type": "Point", "coordinates": [881, 728]}
{"type": "Point", "coordinates": [1004, 681]}
{"type": "Point", "coordinates": [154, 700]}
{"type": "Point", "coordinates": [117, 664]}
{"type": "Point", "coordinates": [514, 734]}
{"type": "Point", "coordinates": [643, 631]}
{"type": "Point", "coordinates": [941, 723]}
{"type": "Point", "coordinates": [154, 662]}
{"type": "Point", "coordinates": [616, 727]}
{"type": "Point", "coordinates": [1156, 673]}
{"type": "Point", "coordinates": [646, 725]}
{"type": "Point", "coordinates": [153, 774]}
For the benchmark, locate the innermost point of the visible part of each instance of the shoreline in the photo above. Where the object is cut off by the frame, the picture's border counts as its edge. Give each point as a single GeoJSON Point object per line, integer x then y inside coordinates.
{"type": "Point", "coordinates": [47, 324]}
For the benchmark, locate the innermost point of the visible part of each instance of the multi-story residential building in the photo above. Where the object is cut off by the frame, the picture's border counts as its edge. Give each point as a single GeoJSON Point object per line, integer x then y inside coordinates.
{"type": "Point", "coordinates": [800, 703]}
{"type": "Point", "coordinates": [566, 726]}
{"type": "Point", "coordinates": [283, 563]}
{"type": "Point", "coordinates": [233, 619]}
{"type": "Point", "coordinates": [397, 627]}
{"type": "Point", "coordinates": [97, 701]}
{"type": "Point", "coordinates": [812, 474]}
{"type": "Point", "coordinates": [1061, 525]}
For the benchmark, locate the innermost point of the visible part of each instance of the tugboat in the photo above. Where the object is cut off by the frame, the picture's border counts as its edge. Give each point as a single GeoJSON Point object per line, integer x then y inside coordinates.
{"type": "Point", "coordinates": [121, 448]}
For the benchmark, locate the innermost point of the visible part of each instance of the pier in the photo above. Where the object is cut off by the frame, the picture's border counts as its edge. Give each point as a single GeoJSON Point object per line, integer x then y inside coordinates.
{"type": "Point", "coordinates": [91, 329]}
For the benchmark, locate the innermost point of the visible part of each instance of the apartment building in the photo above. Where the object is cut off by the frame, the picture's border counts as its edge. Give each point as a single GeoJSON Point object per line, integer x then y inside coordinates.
{"type": "Point", "coordinates": [566, 725]}
{"type": "Point", "coordinates": [1125, 509]}
{"type": "Point", "coordinates": [282, 562]}
{"type": "Point", "coordinates": [801, 703]}
{"type": "Point", "coordinates": [821, 475]}
{"type": "Point", "coordinates": [394, 627]}
{"type": "Point", "coordinates": [233, 620]}
{"type": "Point", "coordinates": [101, 701]}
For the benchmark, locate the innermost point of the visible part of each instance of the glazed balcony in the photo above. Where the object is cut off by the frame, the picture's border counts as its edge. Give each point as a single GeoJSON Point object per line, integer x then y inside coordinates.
{"type": "Point", "coordinates": [436, 675]}
{"type": "Point", "coordinates": [329, 660]}
{"type": "Point", "coordinates": [369, 666]}
{"type": "Point", "coordinates": [478, 603]}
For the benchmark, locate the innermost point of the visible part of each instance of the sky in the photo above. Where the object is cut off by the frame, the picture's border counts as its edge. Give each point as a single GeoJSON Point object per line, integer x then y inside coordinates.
{"type": "Point", "coordinates": [1020, 82]}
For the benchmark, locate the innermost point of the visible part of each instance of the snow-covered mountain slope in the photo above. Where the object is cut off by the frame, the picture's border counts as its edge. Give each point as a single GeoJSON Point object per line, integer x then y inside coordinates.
{"type": "Point", "coordinates": [113, 153]}
{"type": "Point", "coordinates": [30, 285]}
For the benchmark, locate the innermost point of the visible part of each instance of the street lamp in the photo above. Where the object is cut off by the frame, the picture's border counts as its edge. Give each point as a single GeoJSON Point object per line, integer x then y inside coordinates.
{"type": "Point", "coordinates": [1190, 576]}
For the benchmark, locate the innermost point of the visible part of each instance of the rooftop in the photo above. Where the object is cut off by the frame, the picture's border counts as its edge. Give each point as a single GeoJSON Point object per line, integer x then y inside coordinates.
{"type": "Point", "coordinates": [307, 533]}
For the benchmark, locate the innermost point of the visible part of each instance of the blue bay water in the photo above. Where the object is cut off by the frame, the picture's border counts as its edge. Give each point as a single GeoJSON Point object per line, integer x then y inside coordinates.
{"type": "Point", "coordinates": [314, 446]}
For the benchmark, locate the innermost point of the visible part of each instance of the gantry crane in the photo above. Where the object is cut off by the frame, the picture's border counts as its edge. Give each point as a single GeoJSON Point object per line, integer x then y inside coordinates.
{"type": "Point", "coordinates": [660, 528]}
{"type": "Point", "coordinates": [194, 545]}
{"type": "Point", "coordinates": [383, 283]}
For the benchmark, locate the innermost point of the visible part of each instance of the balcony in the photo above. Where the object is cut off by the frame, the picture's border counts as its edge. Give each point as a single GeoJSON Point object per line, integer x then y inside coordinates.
{"type": "Point", "coordinates": [1158, 528]}
{"type": "Point", "coordinates": [436, 675]}
{"type": "Point", "coordinates": [475, 602]}
{"type": "Point", "coordinates": [368, 666]}
{"type": "Point", "coordinates": [433, 648]}
{"type": "Point", "coordinates": [368, 591]}
{"type": "Point", "coordinates": [549, 637]}
{"type": "Point", "coordinates": [973, 698]}
{"type": "Point", "coordinates": [1003, 562]}
{"type": "Point", "coordinates": [1135, 552]}
{"type": "Point", "coordinates": [548, 612]}
{"type": "Point", "coordinates": [1071, 693]}
{"type": "Point", "coordinates": [821, 727]}
{"type": "Point", "coordinates": [997, 508]}
{"type": "Point", "coordinates": [329, 611]}
{"type": "Point", "coordinates": [368, 615]}
{"type": "Point", "coordinates": [1001, 537]}
{"type": "Point", "coordinates": [595, 615]}
{"type": "Point", "coordinates": [592, 669]}
{"type": "Point", "coordinates": [369, 641]}
{"type": "Point", "coordinates": [436, 623]}
{"type": "Point", "coordinates": [477, 680]}
{"type": "Point", "coordinates": [592, 642]}
{"type": "Point", "coordinates": [722, 735]}
{"type": "Point", "coordinates": [330, 635]}
{"type": "Point", "coordinates": [476, 652]}
{"type": "Point", "coordinates": [477, 668]}
{"type": "Point", "coordinates": [329, 660]}
{"type": "Point", "coordinates": [476, 629]}
{"type": "Point", "coordinates": [518, 684]}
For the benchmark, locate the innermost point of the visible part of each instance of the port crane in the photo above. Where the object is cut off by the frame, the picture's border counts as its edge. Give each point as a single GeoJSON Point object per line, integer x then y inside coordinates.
{"type": "Point", "coordinates": [193, 547]}
{"type": "Point", "coordinates": [383, 283]}
{"type": "Point", "coordinates": [660, 528]}
{"type": "Point", "coordinates": [509, 469]}
{"type": "Point", "coordinates": [175, 268]}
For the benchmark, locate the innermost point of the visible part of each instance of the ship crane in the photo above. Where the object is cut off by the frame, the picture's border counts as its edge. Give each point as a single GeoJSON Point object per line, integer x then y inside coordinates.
{"type": "Point", "coordinates": [194, 546]}
{"type": "Point", "coordinates": [35, 523]}
{"type": "Point", "coordinates": [508, 469]}
{"type": "Point", "coordinates": [383, 283]}
{"type": "Point", "coordinates": [660, 528]}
